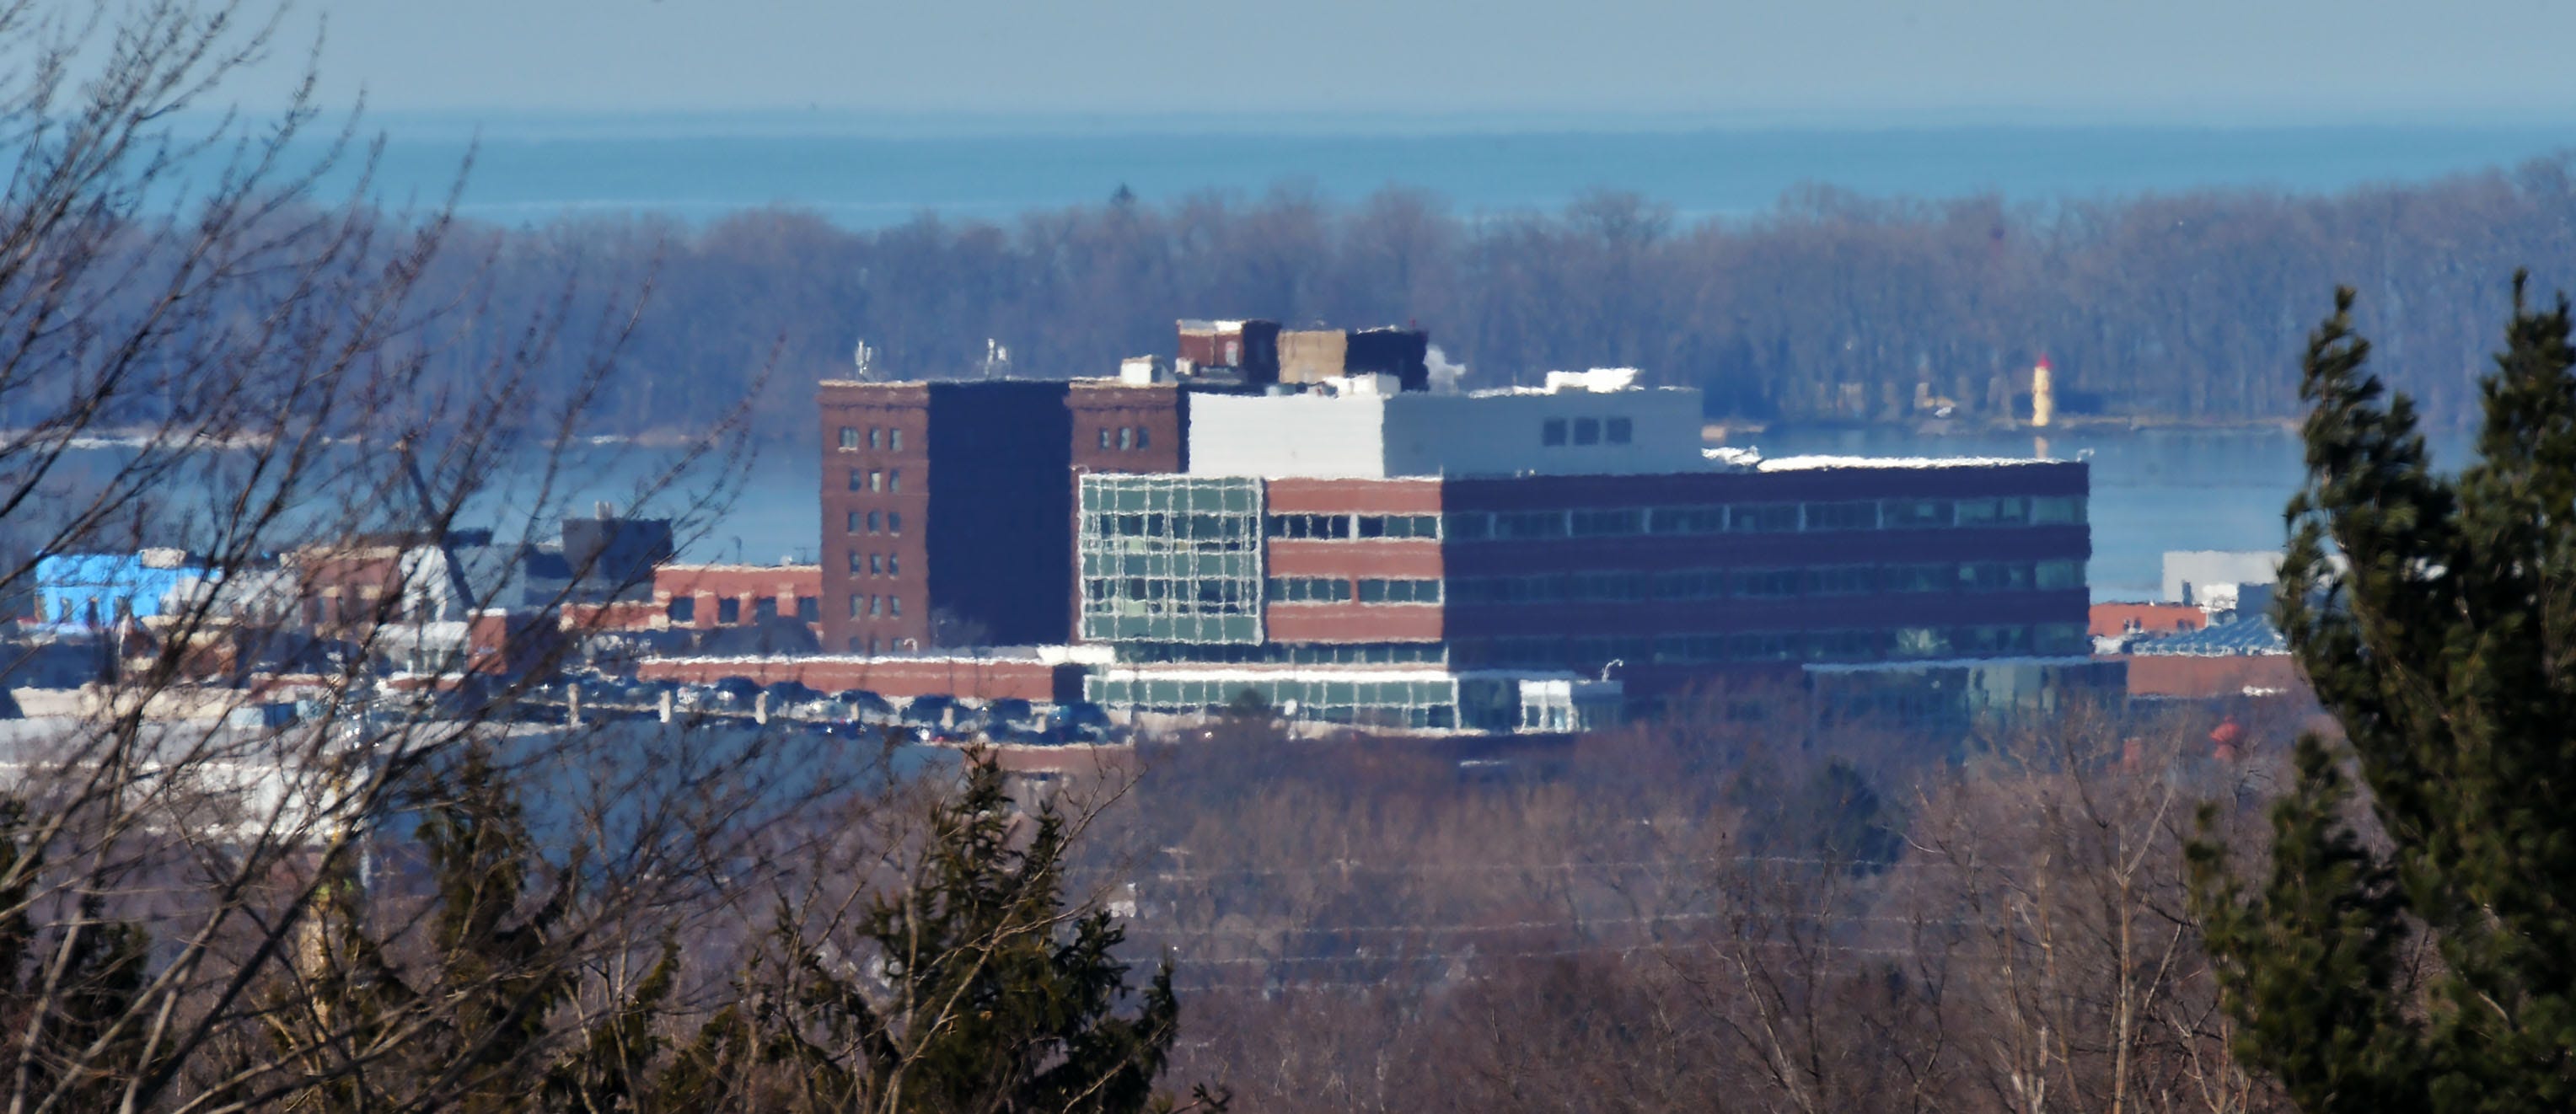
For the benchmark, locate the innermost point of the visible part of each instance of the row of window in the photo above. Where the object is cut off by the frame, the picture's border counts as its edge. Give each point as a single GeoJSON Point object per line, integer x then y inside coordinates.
{"type": "Point", "coordinates": [1587, 431]}
{"type": "Point", "coordinates": [684, 609]}
{"type": "Point", "coordinates": [1333, 527]}
{"type": "Point", "coordinates": [876, 479]}
{"type": "Point", "coordinates": [1628, 586]}
{"type": "Point", "coordinates": [878, 437]}
{"type": "Point", "coordinates": [1419, 704]}
{"type": "Point", "coordinates": [1739, 518]}
{"type": "Point", "coordinates": [875, 564]}
{"type": "Point", "coordinates": [1719, 518]}
{"type": "Point", "coordinates": [1971, 641]}
{"type": "Point", "coordinates": [1289, 653]}
{"type": "Point", "coordinates": [871, 607]}
{"type": "Point", "coordinates": [1127, 437]}
{"type": "Point", "coordinates": [876, 522]}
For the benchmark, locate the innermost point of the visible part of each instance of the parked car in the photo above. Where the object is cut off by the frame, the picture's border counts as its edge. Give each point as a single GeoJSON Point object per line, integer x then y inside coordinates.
{"type": "Point", "coordinates": [785, 693]}
{"type": "Point", "coordinates": [1079, 715]}
{"type": "Point", "coordinates": [929, 711]}
{"type": "Point", "coordinates": [1011, 710]}
{"type": "Point", "coordinates": [865, 706]}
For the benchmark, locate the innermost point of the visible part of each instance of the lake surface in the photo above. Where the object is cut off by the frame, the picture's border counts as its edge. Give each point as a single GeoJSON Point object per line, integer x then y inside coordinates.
{"type": "Point", "coordinates": [2153, 491]}
{"type": "Point", "coordinates": [698, 169]}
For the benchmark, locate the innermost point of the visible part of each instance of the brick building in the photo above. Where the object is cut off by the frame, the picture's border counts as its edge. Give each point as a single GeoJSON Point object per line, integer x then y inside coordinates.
{"type": "Point", "coordinates": [1458, 562]}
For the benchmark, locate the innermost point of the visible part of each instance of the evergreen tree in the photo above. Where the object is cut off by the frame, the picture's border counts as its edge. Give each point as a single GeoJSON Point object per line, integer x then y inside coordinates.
{"type": "Point", "coordinates": [983, 991]}
{"type": "Point", "coordinates": [68, 990]}
{"type": "Point", "coordinates": [2420, 954]}
{"type": "Point", "coordinates": [475, 1024]}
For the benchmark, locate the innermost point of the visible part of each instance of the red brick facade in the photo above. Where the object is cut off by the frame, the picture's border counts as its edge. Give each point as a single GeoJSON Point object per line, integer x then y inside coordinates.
{"type": "Point", "coordinates": [2115, 619]}
{"type": "Point", "coordinates": [972, 678]}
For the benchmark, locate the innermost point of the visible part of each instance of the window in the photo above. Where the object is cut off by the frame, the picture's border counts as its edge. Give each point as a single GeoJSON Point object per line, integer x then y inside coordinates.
{"type": "Point", "coordinates": [1842, 580]}
{"type": "Point", "coordinates": [1529, 524]}
{"type": "Point", "coordinates": [894, 440]}
{"type": "Point", "coordinates": [1620, 430]}
{"type": "Point", "coordinates": [855, 519]}
{"type": "Point", "coordinates": [1842, 516]}
{"type": "Point", "coordinates": [728, 611]}
{"type": "Point", "coordinates": [2057, 509]}
{"type": "Point", "coordinates": [858, 480]}
{"type": "Point", "coordinates": [894, 522]}
{"type": "Point", "coordinates": [1607, 587]}
{"type": "Point", "coordinates": [894, 480]}
{"type": "Point", "coordinates": [1469, 526]}
{"type": "Point", "coordinates": [1587, 431]}
{"type": "Point", "coordinates": [873, 521]}
{"type": "Point", "coordinates": [855, 602]}
{"type": "Point", "coordinates": [1141, 440]}
{"type": "Point", "coordinates": [1994, 576]}
{"type": "Point", "coordinates": [682, 609]}
{"type": "Point", "coordinates": [875, 606]}
{"type": "Point", "coordinates": [1687, 520]}
{"type": "Point", "coordinates": [876, 565]}
{"type": "Point", "coordinates": [1763, 517]}
{"type": "Point", "coordinates": [1399, 526]}
{"type": "Point", "coordinates": [1176, 559]}
{"type": "Point", "coordinates": [2008, 511]}
{"type": "Point", "coordinates": [1552, 433]}
{"type": "Point", "coordinates": [764, 609]}
{"type": "Point", "coordinates": [809, 609]}
{"type": "Point", "coordinates": [1614, 523]}
{"type": "Point", "coordinates": [1331, 527]}
{"type": "Point", "coordinates": [849, 437]}
{"type": "Point", "coordinates": [2052, 576]}
{"type": "Point", "coordinates": [894, 607]}
{"type": "Point", "coordinates": [1690, 584]}
{"type": "Point", "coordinates": [1915, 514]}
{"type": "Point", "coordinates": [1104, 437]}
{"type": "Point", "coordinates": [894, 564]}
{"type": "Point", "coordinates": [1922, 578]}
{"type": "Point", "coordinates": [1399, 591]}
{"type": "Point", "coordinates": [876, 481]}
{"type": "Point", "coordinates": [1767, 583]}
{"type": "Point", "coordinates": [855, 566]}
{"type": "Point", "coordinates": [874, 436]}
{"type": "Point", "coordinates": [1309, 589]}
{"type": "Point", "coordinates": [1126, 437]}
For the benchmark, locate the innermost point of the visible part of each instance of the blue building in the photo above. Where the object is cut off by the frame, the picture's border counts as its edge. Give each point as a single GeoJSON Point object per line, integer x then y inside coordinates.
{"type": "Point", "coordinates": [77, 591]}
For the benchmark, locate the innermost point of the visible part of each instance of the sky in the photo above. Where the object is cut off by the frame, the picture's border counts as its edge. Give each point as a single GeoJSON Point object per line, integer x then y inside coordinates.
{"type": "Point", "coordinates": [1866, 62]}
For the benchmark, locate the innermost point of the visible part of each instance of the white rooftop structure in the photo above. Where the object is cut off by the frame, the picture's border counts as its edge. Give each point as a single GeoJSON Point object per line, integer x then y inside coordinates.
{"type": "Point", "coordinates": [1584, 423]}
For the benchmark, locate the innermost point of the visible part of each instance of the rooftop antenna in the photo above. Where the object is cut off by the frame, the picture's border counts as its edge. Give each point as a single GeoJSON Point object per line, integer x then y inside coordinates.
{"type": "Point", "coordinates": [866, 358]}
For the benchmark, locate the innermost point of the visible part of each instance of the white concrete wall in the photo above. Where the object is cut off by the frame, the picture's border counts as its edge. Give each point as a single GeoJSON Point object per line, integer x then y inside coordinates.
{"type": "Point", "coordinates": [2215, 567]}
{"type": "Point", "coordinates": [1418, 434]}
{"type": "Point", "coordinates": [1502, 435]}
{"type": "Point", "coordinates": [1283, 436]}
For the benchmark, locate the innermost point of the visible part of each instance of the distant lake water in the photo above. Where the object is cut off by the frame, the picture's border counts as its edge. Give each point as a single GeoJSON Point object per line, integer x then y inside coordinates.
{"type": "Point", "coordinates": [698, 169]}
{"type": "Point", "coordinates": [2153, 491]}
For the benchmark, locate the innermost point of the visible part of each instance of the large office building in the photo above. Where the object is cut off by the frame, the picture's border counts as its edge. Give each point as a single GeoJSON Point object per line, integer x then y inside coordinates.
{"type": "Point", "coordinates": [947, 507]}
{"type": "Point", "coordinates": [1500, 561]}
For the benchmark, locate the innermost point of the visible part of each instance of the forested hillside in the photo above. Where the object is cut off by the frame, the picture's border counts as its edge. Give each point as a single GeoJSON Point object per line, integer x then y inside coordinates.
{"type": "Point", "coordinates": [1828, 306]}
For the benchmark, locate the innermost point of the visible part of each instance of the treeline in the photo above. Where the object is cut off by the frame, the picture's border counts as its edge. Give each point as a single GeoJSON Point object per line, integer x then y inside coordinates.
{"type": "Point", "coordinates": [1709, 906]}
{"type": "Point", "coordinates": [1829, 306]}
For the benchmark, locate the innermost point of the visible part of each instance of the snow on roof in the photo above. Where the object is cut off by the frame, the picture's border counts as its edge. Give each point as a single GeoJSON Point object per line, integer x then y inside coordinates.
{"type": "Point", "coordinates": [1812, 463]}
{"type": "Point", "coordinates": [2253, 635]}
